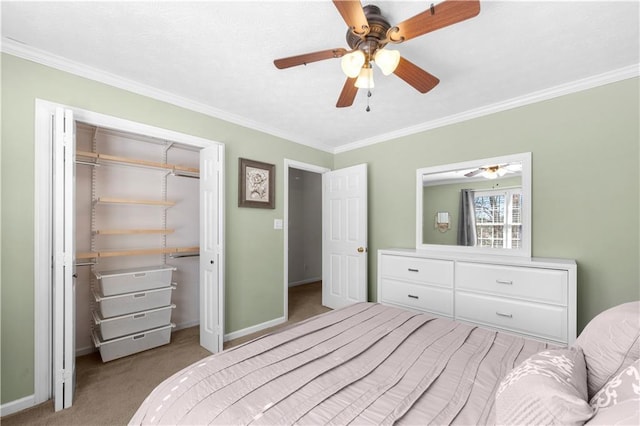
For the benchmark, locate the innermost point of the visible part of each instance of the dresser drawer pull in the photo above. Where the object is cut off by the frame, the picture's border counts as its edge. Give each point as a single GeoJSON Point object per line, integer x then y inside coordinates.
{"type": "Point", "coordinates": [507, 282]}
{"type": "Point", "coordinates": [413, 296]}
{"type": "Point", "coordinates": [502, 314]}
{"type": "Point", "coordinates": [413, 270]}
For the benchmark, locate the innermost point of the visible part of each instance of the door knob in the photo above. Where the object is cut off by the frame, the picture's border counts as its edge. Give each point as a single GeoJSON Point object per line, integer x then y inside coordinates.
{"type": "Point", "coordinates": [211, 262]}
{"type": "Point", "coordinates": [361, 249]}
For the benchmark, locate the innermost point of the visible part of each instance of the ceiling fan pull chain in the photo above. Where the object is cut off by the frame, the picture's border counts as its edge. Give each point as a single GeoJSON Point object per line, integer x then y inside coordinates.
{"type": "Point", "coordinates": [368, 96]}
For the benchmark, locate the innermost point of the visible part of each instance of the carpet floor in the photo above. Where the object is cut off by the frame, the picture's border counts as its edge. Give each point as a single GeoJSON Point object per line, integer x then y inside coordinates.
{"type": "Point", "coordinates": [110, 393]}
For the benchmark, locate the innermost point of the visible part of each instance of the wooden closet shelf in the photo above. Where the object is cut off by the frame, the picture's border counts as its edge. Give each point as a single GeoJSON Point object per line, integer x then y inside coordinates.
{"type": "Point", "coordinates": [133, 231]}
{"type": "Point", "coordinates": [137, 252]}
{"type": "Point", "coordinates": [136, 162]}
{"type": "Point", "coordinates": [110, 200]}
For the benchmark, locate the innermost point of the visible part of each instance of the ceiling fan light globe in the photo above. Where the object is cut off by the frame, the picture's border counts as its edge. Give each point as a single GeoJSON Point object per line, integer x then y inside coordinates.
{"type": "Point", "coordinates": [387, 60]}
{"type": "Point", "coordinates": [365, 79]}
{"type": "Point", "coordinates": [352, 63]}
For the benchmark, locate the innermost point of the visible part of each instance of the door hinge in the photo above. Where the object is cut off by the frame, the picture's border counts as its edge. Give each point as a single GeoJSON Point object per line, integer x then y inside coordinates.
{"type": "Point", "coordinates": [65, 375]}
{"type": "Point", "coordinates": [64, 259]}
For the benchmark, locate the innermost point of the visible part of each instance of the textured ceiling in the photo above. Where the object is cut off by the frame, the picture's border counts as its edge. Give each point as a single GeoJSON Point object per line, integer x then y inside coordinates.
{"type": "Point", "coordinates": [219, 55]}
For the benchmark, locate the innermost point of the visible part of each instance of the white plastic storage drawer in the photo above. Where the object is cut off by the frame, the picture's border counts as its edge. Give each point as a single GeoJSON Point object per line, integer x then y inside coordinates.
{"type": "Point", "coordinates": [110, 328]}
{"type": "Point", "coordinates": [122, 304]}
{"type": "Point", "coordinates": [127, 345]}
{"type": "Point", "coordinates": [134, 279]}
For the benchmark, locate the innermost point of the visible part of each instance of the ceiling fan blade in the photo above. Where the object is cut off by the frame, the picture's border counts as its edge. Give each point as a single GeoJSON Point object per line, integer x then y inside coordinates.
{"type": "Point", "coordinates": [348, 93]}
{"type": "Point", "coordinates": [307, 58]}
{"type": "Point", "coordinates": [442, 15]}
{"type": "Point", "coordinates": [353, 15]}
{"type": "Point", "coordinates": [421, 80]}
{"type": "Point", "coordinates": [474, 172]}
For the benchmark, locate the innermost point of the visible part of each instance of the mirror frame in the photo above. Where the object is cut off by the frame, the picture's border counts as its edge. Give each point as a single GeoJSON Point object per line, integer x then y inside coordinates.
{"type": "Point", "coordinates": [525, 250]}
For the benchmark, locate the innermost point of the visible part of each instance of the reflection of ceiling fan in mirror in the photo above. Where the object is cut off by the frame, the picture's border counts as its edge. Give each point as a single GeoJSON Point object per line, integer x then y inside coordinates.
{"type": "Point", "coordinates": [369, 32]}
{"type": "Point", "coordinates": [493, 172]}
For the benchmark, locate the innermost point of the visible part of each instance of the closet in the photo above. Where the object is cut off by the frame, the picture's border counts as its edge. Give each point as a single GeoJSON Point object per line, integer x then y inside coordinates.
{"type": "Point", "coordinates": [137, 237]}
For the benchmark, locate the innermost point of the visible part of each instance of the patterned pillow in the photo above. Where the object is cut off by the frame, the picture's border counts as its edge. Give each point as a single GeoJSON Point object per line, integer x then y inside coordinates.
{"type": "Point", "coordinates": [550, 387]}
{"type": "Point", "coordinates": [618, 402]}
{"type": "Point", "coordinates": [610, 342]}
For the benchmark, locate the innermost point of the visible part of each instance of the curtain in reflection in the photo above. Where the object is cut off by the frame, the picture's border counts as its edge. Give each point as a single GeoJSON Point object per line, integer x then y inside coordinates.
{"type": "Point", "coordinates": [467, 219]}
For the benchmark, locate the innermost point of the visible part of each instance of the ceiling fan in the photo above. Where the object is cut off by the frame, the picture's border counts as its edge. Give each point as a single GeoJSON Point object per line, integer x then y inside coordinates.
{"type": "Point", "coordinates": [492, 172]}
{"type": "Point", "coordinates": [369, 32]}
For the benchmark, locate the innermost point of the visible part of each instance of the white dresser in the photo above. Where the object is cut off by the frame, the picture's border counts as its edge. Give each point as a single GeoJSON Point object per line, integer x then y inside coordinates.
{"type": "Point", "coordinates": [533, 297]}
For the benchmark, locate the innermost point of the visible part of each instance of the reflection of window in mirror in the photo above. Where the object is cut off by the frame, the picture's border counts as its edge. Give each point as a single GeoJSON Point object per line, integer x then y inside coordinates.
{"type": "Point", "coordinates": [502, 187]}
{"type": "Point", "coordinates": [498, 218]}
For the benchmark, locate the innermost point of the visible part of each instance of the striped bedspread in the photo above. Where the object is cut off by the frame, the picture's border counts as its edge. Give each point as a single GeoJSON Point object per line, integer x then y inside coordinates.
{"type": "Point", "coordinates": [363, 364]}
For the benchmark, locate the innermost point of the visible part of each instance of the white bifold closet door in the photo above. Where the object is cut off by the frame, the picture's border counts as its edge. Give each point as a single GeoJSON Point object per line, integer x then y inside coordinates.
{"type": "Point", "coordinates": [64, 289]}
{"type": "Point", "coordinates": [211, 286]}
{"type": "Point", "coordinates": [62, 140]}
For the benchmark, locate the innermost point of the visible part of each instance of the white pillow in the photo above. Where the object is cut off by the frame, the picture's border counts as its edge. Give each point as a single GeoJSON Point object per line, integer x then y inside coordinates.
{"type": "Point", "coordinates": [610, 342]}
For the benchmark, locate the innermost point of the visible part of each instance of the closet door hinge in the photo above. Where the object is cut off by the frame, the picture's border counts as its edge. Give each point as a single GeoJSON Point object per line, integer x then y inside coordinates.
{"type": "Point", "coordinates": [64, 259]}
{"type": "Point", "coordinates": [67, 133]}
{"type": "Point", "coordinates": [65, 375]}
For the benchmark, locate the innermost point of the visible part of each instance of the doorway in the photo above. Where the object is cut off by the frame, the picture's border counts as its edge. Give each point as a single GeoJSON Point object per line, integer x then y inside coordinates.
{"type": "Point", "coordinates": [302, 230]}
{"type": "Point", "coordinates": [50, 310]}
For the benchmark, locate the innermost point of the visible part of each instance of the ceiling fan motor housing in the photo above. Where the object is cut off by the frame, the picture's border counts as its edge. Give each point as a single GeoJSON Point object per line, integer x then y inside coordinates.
{"type": "Point", "coordinates": [378, 27]}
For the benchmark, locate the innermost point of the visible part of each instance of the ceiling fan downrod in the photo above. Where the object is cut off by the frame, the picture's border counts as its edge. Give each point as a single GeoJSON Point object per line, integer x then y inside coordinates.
{"type": "Point", "coordinates": [376, 36]}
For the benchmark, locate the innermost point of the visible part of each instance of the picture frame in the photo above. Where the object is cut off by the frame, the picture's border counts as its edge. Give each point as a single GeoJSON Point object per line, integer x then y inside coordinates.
{"type": "Point", "coordinates": [256, 184]}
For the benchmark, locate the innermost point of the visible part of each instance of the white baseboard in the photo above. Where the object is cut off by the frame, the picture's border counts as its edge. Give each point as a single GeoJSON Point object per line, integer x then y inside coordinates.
{"type": "Point", "coordinates": [17, 405]}
{"type": "Point", "coordinates": [254, 329]}
{"type": "Point", "coordinates": [305, 281]}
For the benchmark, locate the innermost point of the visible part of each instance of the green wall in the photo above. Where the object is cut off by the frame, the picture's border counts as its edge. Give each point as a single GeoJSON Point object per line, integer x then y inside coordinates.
{"type": "Point", "coordinates": [254, 250]}
{"type": "Point", "coordinates": [585, 192]}
{"type": "Point", "coordinates": [585, 184]}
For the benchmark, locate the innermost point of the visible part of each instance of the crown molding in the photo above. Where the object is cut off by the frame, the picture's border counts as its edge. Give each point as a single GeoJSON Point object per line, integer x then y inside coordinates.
{"type": "Point", "coordinates": [42, 57]}
{"type": "Point", "coordinates": [620, 74]}
{"type": "Point", "coordinates": [24, 51]}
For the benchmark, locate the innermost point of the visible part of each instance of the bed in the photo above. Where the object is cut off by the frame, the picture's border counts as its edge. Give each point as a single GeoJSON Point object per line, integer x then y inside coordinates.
{"type": "Point", "coordinates": [374, 364]}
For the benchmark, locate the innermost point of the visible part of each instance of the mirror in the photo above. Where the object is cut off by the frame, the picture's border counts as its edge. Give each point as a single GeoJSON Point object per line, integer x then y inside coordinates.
{"type": "Point", "coordinates": [480, 206]}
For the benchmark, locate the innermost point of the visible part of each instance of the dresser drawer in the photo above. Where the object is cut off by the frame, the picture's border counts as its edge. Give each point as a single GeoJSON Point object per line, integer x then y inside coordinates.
{"type": "Point", "coordinates": [535, 284]}
{"type": "Point", "coordinates": [427, 271]}
{"type": "Point", "coordinates": [425, 298]}
{"type": "Point", "coordinates": [544, 321]}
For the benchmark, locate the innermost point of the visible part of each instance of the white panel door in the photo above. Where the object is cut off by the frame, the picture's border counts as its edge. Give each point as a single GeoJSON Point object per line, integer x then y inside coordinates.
{"type": "Point", "coordinates": [64, 289]}
{"type": "Point", "coordinates": [344, 231]}
{"type": "Point", "coordinates": [211, 256]}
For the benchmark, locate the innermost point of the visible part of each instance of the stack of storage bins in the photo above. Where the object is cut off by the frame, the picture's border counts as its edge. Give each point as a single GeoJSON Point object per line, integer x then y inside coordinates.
{"type": "Point", "coordinates": [133, 310]}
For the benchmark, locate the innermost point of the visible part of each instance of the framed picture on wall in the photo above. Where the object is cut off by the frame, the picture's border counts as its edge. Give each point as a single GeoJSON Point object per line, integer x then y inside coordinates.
{"type": "Point", "coordinates": [257, 184]}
